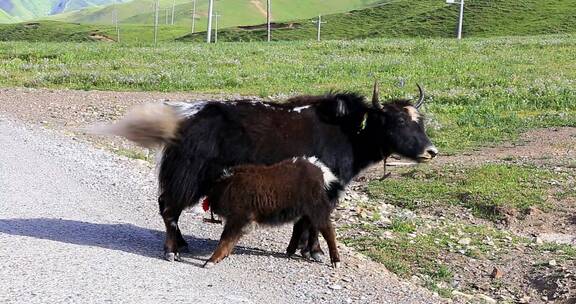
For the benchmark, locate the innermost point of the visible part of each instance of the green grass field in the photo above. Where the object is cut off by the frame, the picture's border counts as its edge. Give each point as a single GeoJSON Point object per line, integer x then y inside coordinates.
{"type": "Point", "coordinates": [479, 90]}
{"type": "Point", "coordinates": [55, 31]}
{"type": "Point", "coordinates": [427, 18]}
{"type": "Point", "coordinates": [481, 189]}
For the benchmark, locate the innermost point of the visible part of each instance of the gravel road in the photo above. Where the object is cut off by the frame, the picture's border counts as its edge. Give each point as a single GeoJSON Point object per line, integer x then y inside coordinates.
{"type": "Point", "coordinates": [79, 224]}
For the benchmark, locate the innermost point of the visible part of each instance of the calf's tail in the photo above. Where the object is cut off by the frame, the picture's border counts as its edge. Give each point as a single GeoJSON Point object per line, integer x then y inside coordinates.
{"type": "Point", "coordinates": [148, 125]}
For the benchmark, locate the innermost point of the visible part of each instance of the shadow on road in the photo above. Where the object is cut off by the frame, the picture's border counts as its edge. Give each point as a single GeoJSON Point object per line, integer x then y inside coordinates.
{"type": "Point", "coordinates": [123, 237]}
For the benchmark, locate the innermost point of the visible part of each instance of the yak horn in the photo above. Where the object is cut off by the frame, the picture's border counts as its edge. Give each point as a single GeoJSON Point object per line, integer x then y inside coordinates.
{"type": "Point", "coordinates": [375, 98]}
{"type": "Point", "coordinates": [421, 98]}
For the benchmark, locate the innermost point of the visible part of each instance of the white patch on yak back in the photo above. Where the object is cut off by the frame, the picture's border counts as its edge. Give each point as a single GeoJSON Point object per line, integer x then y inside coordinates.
{"type": "Point", "coordinates": [327, 174]}
{"type": "Point", "coordinates": [299, 109]}
{"type": "Point", "coordinates": [187, 109]}
{"type": "Point", "coordinates": [259, 103]}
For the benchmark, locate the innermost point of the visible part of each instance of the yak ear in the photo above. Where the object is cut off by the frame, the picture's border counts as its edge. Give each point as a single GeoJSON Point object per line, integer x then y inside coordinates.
{"type": "Point", "coordinates": [341, 108]}
{"type": "Point", "coordinates": [334, 110]}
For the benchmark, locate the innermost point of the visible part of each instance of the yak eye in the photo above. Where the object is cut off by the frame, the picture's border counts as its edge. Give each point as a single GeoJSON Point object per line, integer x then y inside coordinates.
{"type": "Point", "coordinates": [401, 121]}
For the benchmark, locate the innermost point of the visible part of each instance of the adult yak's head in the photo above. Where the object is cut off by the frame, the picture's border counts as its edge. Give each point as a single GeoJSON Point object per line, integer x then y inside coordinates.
{"type": "Point", "coordinates": [398, 127]}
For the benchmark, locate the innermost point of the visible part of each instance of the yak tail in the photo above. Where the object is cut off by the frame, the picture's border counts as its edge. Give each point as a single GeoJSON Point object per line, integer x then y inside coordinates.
{"type": "Point", "coordinates": [147, 125]}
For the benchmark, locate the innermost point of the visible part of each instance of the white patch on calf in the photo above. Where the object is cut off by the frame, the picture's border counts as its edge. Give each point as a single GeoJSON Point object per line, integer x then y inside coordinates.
{"type": "Point", "coordinates": [413, 112]}
{"type": "Point", "coordinates": [226, 173]}
{"type": "Point", "coordinates": [187, 109]}
{"type": "Point", "coordinates": [299, 109]}
{"type": "Point", "coordinates": [259, 103]}
{"type": "Point", "coordinates": [327, 174]}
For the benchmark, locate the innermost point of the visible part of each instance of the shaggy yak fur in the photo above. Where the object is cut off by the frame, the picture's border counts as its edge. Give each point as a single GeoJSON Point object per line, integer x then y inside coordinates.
{"type": "Point", "coordinates": [277, 194]}
{"type": "Point", "coordinates": [201, 139]}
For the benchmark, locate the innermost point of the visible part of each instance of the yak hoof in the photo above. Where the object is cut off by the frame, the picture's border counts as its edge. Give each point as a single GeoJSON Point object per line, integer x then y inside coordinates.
{"type": "Point", "coordinates": [336, 265]}
{"type": "Point", "coordinates": [172, 256]}
{"type": "Point", "coordinates": [305, 254]}
{"type": "Point", "coordinates": [209, 265]}
{"type": "Point", "coordinates": [317, 256]}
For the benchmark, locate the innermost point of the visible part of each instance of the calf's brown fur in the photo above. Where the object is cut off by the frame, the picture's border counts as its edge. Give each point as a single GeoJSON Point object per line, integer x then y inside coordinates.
{"type": "Point", "coordinates": [293, 189]}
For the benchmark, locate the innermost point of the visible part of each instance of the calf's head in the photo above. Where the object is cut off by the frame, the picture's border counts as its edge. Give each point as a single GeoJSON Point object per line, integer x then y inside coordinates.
{"type": "Point", "coordinates": [398, 127]}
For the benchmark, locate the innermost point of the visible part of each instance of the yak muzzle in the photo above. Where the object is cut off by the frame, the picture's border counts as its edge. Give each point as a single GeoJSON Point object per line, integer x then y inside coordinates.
{"type": "Point", "coordinates": [429, 153]}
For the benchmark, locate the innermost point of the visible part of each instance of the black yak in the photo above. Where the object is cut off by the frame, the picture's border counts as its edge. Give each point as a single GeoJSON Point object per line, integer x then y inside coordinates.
{"type": "Point", "coordinates": [284, 192]}
{"type": "Point", "coordinates": [201, 139]}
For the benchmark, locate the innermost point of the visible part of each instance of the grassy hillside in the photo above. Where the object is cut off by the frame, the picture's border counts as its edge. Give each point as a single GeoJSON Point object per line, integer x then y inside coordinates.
{"type": "Point", "coordinates": [480, 90]}
{"type": "Point", "coordinates": [234, 12]}
{"type": "Point", "coordinates": [48, 31]}
{"type": "Point", "coordinates": [55, 31]}
{"type": "Point", "coordinates": [427, 18]}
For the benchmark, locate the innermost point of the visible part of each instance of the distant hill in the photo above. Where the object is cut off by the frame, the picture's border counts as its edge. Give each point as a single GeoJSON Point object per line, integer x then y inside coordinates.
{"type": "Point", "coordinates": [233, 12]}
{"type": "Point", "coordinates": [5, 17]}
{"type": "Point", "coordinates": [23, 10]}
{"type": "Point", "coordinates": [422, 18]}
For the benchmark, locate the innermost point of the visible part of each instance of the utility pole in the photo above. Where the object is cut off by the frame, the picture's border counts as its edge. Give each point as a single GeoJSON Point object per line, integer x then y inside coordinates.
{"type": "Point", "coordinates": [319, 22]}
{"type": "Point", "coordinates": [193, 15]}
{"type": "Point", "coordinates": [156, 13]}
{"type": "Point", "coordinates": [173, 9]}
{"type": "Point", "coordinates": [209, 31]}
{"type": "Point", "coordinates": [216, 28]}
{"type": "Point", "coordinates": [115, 16]}
{"type": "Point", "coordinates": [460, 17]}
{"type": "Point", "coordinates": [268, 19]}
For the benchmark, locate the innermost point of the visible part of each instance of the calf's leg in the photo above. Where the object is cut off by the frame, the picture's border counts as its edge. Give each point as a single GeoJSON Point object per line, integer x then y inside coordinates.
{"type": "Point", "coordinates": [295, 240]}
{"type": "Point", "coordinates": [313, 249]}
{"type": "Point", "coordinates": [305, 237]}
{"type": "Point", "coordinates": [316, 252]}
{"type": "Point", "coordinates": [329, 235]}
{"type": "Point", "coordinates": [230, 236]}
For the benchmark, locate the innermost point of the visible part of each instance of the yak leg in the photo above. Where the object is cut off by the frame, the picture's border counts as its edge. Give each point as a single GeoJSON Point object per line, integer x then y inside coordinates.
{"type": "Point", "coordinates": [174, 240]}
{"type": "Point", "coordinates": [313, 247]}
{"type": "Point", "coordinates": [230, 236]}
{"type": "Point", "coordinates": [306, 237]}
{"type": "Point", "coordinates": [296, 239]}
{"type": "Point", "coordinates": [330, 236]}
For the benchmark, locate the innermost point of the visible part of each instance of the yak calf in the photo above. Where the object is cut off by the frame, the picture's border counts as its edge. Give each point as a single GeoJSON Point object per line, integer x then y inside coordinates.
{"type": "Point", "coordinates": [284, 192]}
